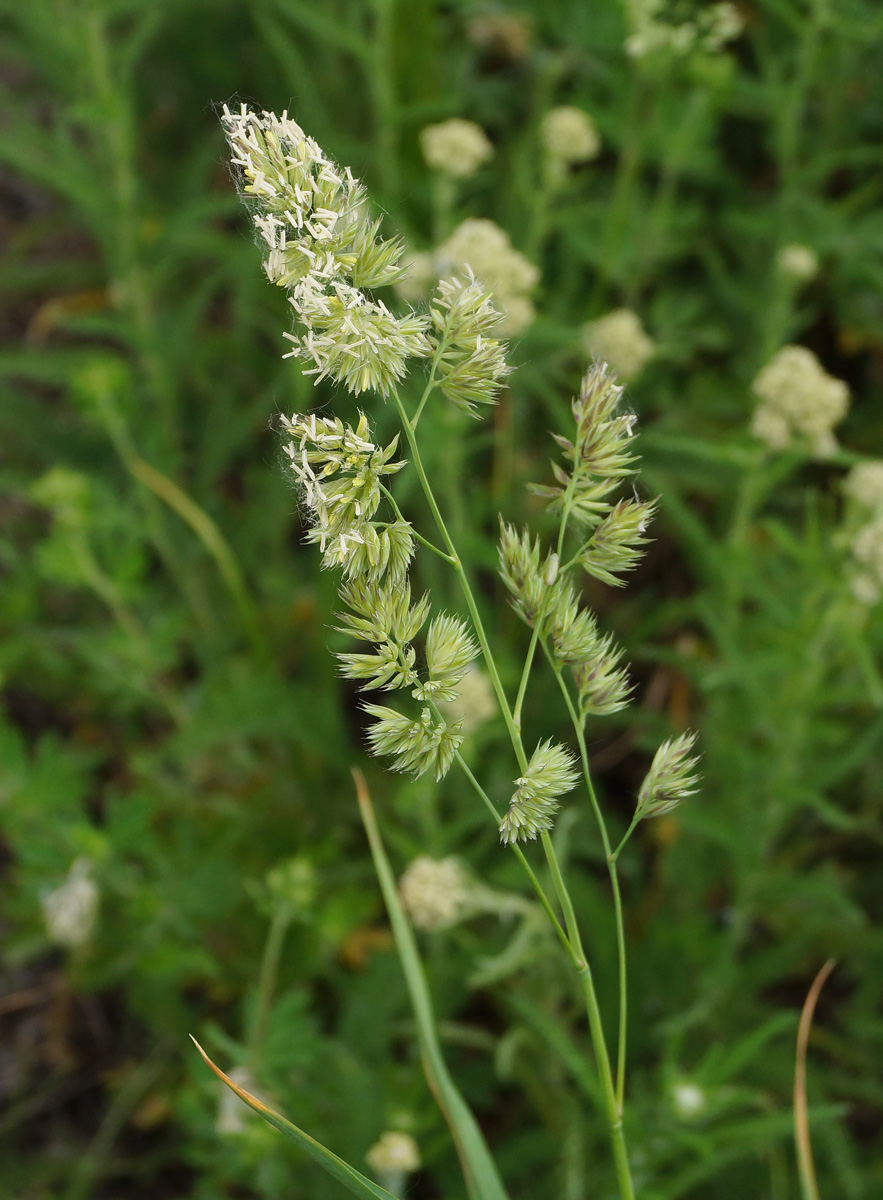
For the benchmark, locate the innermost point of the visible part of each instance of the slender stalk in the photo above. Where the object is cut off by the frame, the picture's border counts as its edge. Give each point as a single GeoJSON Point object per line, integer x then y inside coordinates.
{"type": "Point", "coordinates": [612, 872]}
{"type": "Point", "coordinates": [465, 586]}
{"type": "Point", "coordinates": [522, 858]}
{"type": "Point", "coordinates": [267, 977]}
{"type": "Point", "coordinates": [420, 538]}
{"type": "Point", "coordinates": [596, 1028]}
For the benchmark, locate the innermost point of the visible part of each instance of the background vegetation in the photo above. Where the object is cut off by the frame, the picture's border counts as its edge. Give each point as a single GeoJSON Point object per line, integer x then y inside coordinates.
{"type": "Point", "coordinates": [171, 713]}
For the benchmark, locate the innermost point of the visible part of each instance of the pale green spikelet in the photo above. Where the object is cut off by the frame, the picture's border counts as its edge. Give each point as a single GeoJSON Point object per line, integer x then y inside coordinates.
{"type": "Point", "coordinates": [671, 777]}
{"type": "Point", "coordinates": [617, 543]}
{"type": "Point", "coordinates": [603, 686]}
{"type": "Point", "coordinates": [523, 572]}
{"type": "Point", "coordinates": [381, 612]}
{"type": "Point", "coordinates": [549, 774]}
{"type": "Point", "coordinates": [471, 365]}
{"type": "Point", "coordinates": [449, 651]}
{"type": "Point", "coordinates": [427, 744]}
{"type": "Point", "coordinates": [340, 471]}
{"type": "Point", "coordinates": [390, 667]}
{"type": "Point", "coordinates": [599, 455]}
{"type": "Point", "coordinates": [573, 632]}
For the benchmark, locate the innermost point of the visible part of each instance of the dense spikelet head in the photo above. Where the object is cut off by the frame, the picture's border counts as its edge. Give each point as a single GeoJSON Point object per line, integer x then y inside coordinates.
{"type": "Point", "coordinates": [524, 571]}
{"type": "Point", "coordinates": [671, 778]}
{"type": "Point", "coordinates": [416, 747]}
{"type": "Point", "coordinates": [471, 362]}
{"type": "Point", "coordinates": [340, 472]}
{"type": "Point", "coordinates": [322, 244]}
{"type": "Point", "coordinates": [603, 686]}
{"type": "Point", "coordinates": [549, 774]}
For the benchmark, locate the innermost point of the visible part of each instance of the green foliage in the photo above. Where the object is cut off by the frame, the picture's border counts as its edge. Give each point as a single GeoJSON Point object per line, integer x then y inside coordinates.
{"type": "Point", "coordinates": [171, 715]}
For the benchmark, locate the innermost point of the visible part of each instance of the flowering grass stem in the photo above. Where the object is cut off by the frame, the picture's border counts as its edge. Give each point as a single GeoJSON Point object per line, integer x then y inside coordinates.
{"type": "Point", "coordinates": [612, 1091]}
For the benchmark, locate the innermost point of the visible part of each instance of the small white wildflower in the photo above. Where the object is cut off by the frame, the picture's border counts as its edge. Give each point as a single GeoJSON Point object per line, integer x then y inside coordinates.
{"type": "Point", "coordinates": [864, 484]}
{"type": "Point", "coordinates": [457, 148]}
{"type": "Point", "coordinates": [721, 23]}
{"type": "Point", "coordinates": [484, 248]}
{"type": "Point", "coordinates": [475, 703]}
{"type": "Point", "coordinates": [867, 551]}
{"type": "Point", "coordinates": [619, 339]}
{"type": "Point", "coordinates": [435, 892]}
{"type": "Point", "coordinates": [232, 1111]}
{"type": "Point", "coordinates": [800, 263]}
{"type": "Point", "coordinates": [569, 135]}
{"type": "Point", "coordinates": [689, 1099]}
{"type": "Point", "coordinates": [798, 397]}
{"type": "Point", "coordinates": [656, 28]}
{"type": "Point", "coordinates": [771, 427]}
{"type": "Point", "coordinates": [393, 1157]}
{"type": "Point", "coordinates": [502, 33]}
{"type": "Point", "coordinates": [71, 909]}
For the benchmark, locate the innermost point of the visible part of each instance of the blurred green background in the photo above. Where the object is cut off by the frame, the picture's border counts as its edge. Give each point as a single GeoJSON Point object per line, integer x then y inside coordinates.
{"type": "Point", "coordinates": [173, 730]}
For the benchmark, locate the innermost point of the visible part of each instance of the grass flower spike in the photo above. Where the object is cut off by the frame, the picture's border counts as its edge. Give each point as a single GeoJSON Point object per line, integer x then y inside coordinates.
{"type": "Point", "coordinates": [550, 773]}
{"type": "Point", "coordinates": [671, 778]}
{"type": "Point", "coordinates": [324, 249]}
{"type": "Point", "coordinates": [323, 246]}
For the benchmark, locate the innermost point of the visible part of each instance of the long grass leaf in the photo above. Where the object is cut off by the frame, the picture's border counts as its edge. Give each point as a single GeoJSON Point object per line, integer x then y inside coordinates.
{"type": "Point", "coordinates": [479, 1169]}
{"type": "Point", "coordinates": [352, 1179]}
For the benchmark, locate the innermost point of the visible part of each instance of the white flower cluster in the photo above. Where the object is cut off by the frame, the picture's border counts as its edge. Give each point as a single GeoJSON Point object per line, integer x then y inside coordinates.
{"type": "Point", "coordinates": [456, 148]}
{"type": "Point", "coordinates": [484, 248]}
{"type": "Point", "coordinates": [479, 247]}
{"type": "Point", "coordinates": [435, 892]}
{"type": "Point", "coordinates": [655, 30]}
{"type": "Point", "coordinates": [800, 263]}
{"type": "Point", "coordinates": [864, 486]}
{"type": "Point", "coordinates": [323, 246]}
{"type": "Point", "coordinates": [569, 136]}
{"type": "Point", "coordinates": [867, 551]}
{"type": "Point", "coordinates": [394, 1153]}
{"type": "Point", "coordinates": [619, 340]}
{"type": "Point", "coordinates": [474, 704]}
{"type": "Point", "coordinates": [71, 909]}
{"type": "Point", "coordinates": [798, 398]}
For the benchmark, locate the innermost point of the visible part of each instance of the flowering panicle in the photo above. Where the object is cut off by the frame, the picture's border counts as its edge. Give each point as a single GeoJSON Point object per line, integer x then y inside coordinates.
{"type": "Point", "coordinates": [471, 362]}
{"type": "Point", "coordinates": [341, 471]}
{"type": "Point", "coordinates": [657, 28]}
{"type": "Point", "coordinates": [435, 892]}
{"type": "Point", "coordinates": [599, 457]}
{"type": "Point", "coordinates": [322, 244]}
{"type": "Point", "coordinates": [671, 777]}
{"type": "Point", "coordinates": [71, 910]}
{"type": "Point", "coordinates": [569, 136]}
{"type": "Point", "coordinates": [549, 774]}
